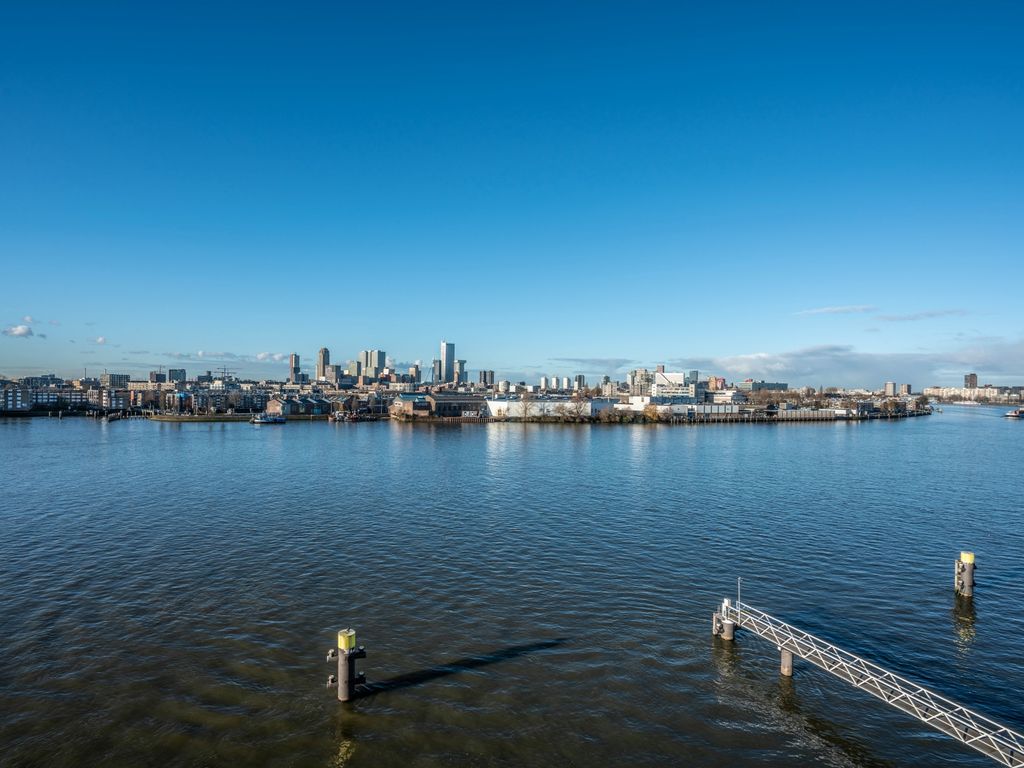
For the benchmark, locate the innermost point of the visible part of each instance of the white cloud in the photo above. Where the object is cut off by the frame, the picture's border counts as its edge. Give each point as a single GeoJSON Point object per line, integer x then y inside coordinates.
{"type": "Point", "coordinates": [995, 360]}
{"type": "Point", "coordinates": [27, 319]}
{"type": "Point", "coordinates": [100, 340]}
{"type": "Point", "coordinates": [850, 309]}
{"type": "Point", "coordinates": [21, 331]}
{"type": "Point", "coordinates": [926, 315]}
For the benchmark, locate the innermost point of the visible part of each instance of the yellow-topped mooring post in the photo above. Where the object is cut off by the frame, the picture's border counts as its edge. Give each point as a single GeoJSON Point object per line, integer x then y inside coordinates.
{"type": "Point", "coordinates": [963, 575]}
{"type": "Point", "coordinates": [347, 652]}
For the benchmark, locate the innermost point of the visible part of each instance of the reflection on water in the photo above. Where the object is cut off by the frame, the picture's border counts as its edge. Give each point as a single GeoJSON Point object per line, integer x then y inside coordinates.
{"type": "Point", "coordinates": [963, 622]}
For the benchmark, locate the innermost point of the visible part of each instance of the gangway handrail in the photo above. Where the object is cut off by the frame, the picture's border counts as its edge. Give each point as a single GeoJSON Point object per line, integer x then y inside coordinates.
{"type": "Point", "coordinates": [966, 726]}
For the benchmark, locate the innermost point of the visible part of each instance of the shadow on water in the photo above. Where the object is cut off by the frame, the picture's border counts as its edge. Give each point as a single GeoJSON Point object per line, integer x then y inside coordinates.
{"type": "Point", "coordinates": [858, 753]}
{"type": "Point", "coordinates": [421, 676]}
{"type": "Point", "coordinates": [728, 658]}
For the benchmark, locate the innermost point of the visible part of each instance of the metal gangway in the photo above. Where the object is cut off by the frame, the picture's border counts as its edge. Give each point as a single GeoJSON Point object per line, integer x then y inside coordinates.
{"type": "Point", "coordinates": [968, 727]}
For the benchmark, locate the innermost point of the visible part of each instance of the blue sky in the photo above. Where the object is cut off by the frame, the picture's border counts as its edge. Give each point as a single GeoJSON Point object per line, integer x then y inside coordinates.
{"type": "Point", "coordinates": [821, 193]}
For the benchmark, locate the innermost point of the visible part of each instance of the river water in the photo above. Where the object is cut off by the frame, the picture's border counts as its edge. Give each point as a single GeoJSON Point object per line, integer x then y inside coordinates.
{"type": "Point", "coordinates": [528, 594]}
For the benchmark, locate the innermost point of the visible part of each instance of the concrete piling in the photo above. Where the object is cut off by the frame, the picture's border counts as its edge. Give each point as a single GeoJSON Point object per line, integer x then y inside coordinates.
{"type": "Point", "coordinates": [721, 626]}
{"type": "Point", "coordinates": [963, 575]}
{"type": "Point", "coordinates": [787, 663]}
{"type": "Point", "coordinates": [728, 629]}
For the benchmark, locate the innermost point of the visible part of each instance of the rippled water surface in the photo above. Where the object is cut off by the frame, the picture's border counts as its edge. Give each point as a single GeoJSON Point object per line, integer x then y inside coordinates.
{"type": "Point", "coordinates": [528, 595]}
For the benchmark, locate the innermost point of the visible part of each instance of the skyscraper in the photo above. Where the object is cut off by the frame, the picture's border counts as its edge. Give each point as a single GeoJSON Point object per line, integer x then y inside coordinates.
{"type": "Point", "coordinates": [435, 373]}
{"type": "Point", "coordinates": [971, 381]}
{"type": "Point", "coordinates": [293, 368]}
{"type": "Point", "coordinates": [372, 361]}
{"type": "Point", "coordinates": [323, 359]}
{"type": "Point", "coordinates": [460, 371]}
{"type": "Point", "coordinates": [447, 361]}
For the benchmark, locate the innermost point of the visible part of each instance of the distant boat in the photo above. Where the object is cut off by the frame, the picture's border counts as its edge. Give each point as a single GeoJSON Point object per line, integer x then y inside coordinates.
{"type": "Point", "coordinates": [266, 418]}
{"type": "Point", "coordinates": [1016, 413]}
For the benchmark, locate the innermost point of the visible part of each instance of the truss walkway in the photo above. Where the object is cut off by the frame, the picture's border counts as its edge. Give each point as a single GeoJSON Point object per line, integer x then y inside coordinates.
{"type": "Point", "coordinates": [968, 727]}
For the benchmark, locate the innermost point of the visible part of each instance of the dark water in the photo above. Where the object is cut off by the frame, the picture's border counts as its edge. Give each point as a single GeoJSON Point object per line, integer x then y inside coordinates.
{"type": "Point", "coordinates": [528, 595]}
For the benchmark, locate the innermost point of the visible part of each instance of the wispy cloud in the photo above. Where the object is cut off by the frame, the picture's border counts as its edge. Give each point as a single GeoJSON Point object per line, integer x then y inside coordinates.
{"type": "Point", "coordinates": [850, 309]}
{"type": "Point", "coordinates": [100, 340]}
{"type": "Point", "coordinates": [926, 315]}
{"type": "Point", "coordinates": [138, 351]}
{"type": "Point", "coordinates": [28, 319]}
{"type": "Point", "coordinates": [55, 322]}
{"type": "Point", "coordinates": [18, 331]}
{"type": "Point", "coordinates": [274, 357]}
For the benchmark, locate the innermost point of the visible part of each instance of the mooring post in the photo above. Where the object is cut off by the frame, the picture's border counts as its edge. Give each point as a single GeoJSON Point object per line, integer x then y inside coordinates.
{"type": "Point", "coordinates": [787, 663]}
{"type": "Point", "coordinates": [963, 575]}
{"type": "Point", "coordinates": [346, 654]}
{"type": "Point", "coordinates": [721, 625]}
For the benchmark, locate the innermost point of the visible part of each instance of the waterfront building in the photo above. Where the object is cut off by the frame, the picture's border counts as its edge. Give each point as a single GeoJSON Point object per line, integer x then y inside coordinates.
{"type": "Point", "coordinates": [971, 381]}
{"type": "Point", "coordinates": [453, 404]}
{"type": "Point", "coordinates": [16, 399]}
{"type": "Point", "coordinates": [447, 362]}
{"type": "Point", "coordinates": [890, 389]}
{"type": "Point", "coordinates": [905, 389]}
{"type": "Point", "coordinates": [293, 368]}
{"type": "Point", "coordinates": [176, 375]}
{"type": "Point", "coordinates": [323, 359]}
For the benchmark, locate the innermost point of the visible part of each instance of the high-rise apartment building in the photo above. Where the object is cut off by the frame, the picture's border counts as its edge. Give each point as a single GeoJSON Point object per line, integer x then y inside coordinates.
{"type": "Point", "coordinates": [905, 389]}
{"type": "Point", "coordinates": [487, 378]}
{"type": "Point", "coordinates": [293, 368]}
{"type": "Point", "coordinates": [971, 381]}
{"type": "Point", "coordinates": [460, 372]}
{"type": "Point", "coordinates": [176, 374]}
{"type": "Point", "coordinates": [114, 380]}
{"type": "Point", "coordinates": [890, 389]}
{"type": "Point", "coordinates": [414, 374]}
{"type": "Point", "coordinates": [436, 372]}
{"type": "Point", "coordinates": [157, 377]}
{"type": "Point", "coordinates": [447, 361]}
{"type": "Point", "coordinates": [323, 359]}
{"type": "Point", "coordinates": [580, 382]}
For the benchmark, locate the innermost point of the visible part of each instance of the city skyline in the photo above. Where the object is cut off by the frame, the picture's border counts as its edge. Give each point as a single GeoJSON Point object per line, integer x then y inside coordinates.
{"type": "Point", "coordinates": [804, 193]}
